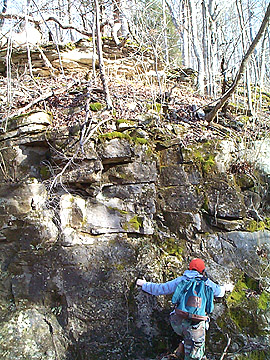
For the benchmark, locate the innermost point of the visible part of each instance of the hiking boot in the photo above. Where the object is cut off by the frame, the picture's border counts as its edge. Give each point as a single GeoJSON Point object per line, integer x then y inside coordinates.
{"type": "Point", "coordinates": [180, 352]}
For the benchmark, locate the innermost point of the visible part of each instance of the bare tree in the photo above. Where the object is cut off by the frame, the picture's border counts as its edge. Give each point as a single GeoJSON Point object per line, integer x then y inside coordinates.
{"type": "Point", "coordinates": [100, 58]}
{"type": "Point", "coordinates": [211, 115]}
{"type": "Point", "coordinates": [245, 41]}
{"type": "Point", "coordinates": [197, 47]}
{"type": "Point", "coordinates": [210, 40]}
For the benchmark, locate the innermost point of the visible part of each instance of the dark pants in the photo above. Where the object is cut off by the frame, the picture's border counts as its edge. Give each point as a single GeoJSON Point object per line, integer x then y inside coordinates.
{"type": "Point", "coordinates": [193, 333]}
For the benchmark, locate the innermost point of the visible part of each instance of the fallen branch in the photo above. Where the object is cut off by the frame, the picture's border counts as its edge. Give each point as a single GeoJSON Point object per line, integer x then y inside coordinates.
{"type": "Point", "coordinates": [40, 98]}
{"type": "Point", "coordinates": [69, 26]}
{"type": "Point", "coordinates": [46, 60]}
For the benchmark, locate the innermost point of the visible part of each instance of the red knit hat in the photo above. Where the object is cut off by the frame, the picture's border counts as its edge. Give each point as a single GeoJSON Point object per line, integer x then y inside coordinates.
{"type": "Point", "coordinates": [197, 264]}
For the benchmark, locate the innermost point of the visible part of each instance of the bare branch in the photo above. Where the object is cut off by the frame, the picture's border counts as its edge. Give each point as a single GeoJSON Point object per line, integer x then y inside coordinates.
{"type": "Point", "coordinates": [58, 177]}
{"type": "Point", "coordinates": [50, 18]}
{"type": "Point", "coordinates": [57, 21]}
{"type": "Point", "coordinates": [68, 26]}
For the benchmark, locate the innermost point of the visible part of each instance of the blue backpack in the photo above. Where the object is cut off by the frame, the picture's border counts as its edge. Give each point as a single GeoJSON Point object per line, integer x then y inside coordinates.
{"type": "Point", "coordinates": [194, 299]}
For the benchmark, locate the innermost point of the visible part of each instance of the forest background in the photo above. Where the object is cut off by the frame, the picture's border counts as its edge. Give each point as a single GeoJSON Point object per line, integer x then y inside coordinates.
{"type": "Point", "coordinates": [208, 36]}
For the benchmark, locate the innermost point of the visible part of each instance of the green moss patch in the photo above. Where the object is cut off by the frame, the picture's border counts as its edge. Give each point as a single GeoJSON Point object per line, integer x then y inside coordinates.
{"type": "Point", "coordinates": [44, 173]}
{"type": "Point", "coordinates": [264, 301]}
{"type": "Point", "coordinates": [96, 106]}
{"type": "Point", "coordinates": [122, 135]}
{"type": "Point", "coordinates": [136, 222]}
{"type": "Point", "coordinates": [254, 225]}
{"type": "Point", "coordinates": [173, 247]}
{"type": "Point", "coordinates": [207, 161]}
{"type": "Point", "coordinates": [154, 106]}
{"type": "Point", "coordinates": [122, 212]}
{"type": "Point", "coordinates": [238, 295]}
{"type": "Point", "coordinates": [114, 135]}
{"type": "Point", "coordinates": [203, 155]}
{"type": "Point", "coordinates": [247, 306]}
{"type": "Point", "coordinates": [139, 140]}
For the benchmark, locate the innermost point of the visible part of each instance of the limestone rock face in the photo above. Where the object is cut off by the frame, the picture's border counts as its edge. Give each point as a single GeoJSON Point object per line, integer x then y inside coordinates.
{"type": "Point", "coordinates": [224, 199]}
{"type": "Point", "coordinates": [247, 249]}
{"type": "Point", "coordinates": [79, 227]}
{"type": "Point", "coordinates": [28, 332]}
{"type": "Point", "coordinates": [77, 56]}
{"type": "Point", "coordinates": [115, 151]}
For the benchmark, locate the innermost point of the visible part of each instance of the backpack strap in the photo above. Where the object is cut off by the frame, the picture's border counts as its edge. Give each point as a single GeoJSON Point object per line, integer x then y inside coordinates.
{"type": "Point", "coordinates": [186, 315]}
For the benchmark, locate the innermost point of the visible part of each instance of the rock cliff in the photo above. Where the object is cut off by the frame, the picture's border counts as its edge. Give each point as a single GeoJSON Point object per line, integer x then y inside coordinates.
{"type": "Point", "coordinates": [80, 223]}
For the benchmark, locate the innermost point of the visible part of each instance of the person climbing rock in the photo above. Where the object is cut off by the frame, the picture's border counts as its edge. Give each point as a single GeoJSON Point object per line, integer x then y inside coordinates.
{"type": "Point", "coordinates": [193, 295]}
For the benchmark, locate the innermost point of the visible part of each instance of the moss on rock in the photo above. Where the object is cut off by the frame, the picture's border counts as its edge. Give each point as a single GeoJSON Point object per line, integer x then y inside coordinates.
{"type": "Point", "coordinates": [246, 305]}
{"type": "Point", "coordinates": [115, 135]}
{"type": "Point", "coordinates": [136, 222]}
{"type": "Point", "coordinates": [264, 301]}
{"type": "Point", "coordinates": [203, 155]}
{"type": "Point", "coordinates": [254, 225]}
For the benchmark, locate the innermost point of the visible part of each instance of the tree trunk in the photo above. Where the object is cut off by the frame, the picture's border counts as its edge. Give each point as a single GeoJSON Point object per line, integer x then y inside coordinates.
{"type": "Point", "coordinates": [94, 52]}
{"type": "Point", "coordinates": [196, 47]}
{"type": "Point", "coordinates": [185, 35]}
{"type": "Point", "coordinates": [166, 50]}
{"type": "Point", "coordinates": [206, 47]}
{"type": "Point", "coordinates": [180, 29]}
{"type": "Point", "coordinates": [69, 6]}
{"type": "Point", "coordinates": [124, 18]}
{"type": "Point", "coordinates": [100, 59]}
{"type": "Point", "coordinates": [262, 69]}
{"type": "Point", "coordinates": [245, 40]}
{"type": "Point", "coordinates": [211, 115]}
{"type": "Point", "coordinates": [213, 50]}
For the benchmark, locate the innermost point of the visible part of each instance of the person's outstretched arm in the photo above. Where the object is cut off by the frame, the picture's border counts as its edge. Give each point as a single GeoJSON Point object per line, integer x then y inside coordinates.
{"type": "Point", "coordinates": [219, 290]}
{"type": "Point", "coordinates": [159, 289]}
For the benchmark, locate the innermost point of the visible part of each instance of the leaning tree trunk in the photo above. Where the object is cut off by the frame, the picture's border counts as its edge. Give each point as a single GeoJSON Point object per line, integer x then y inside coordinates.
{"type": "Point", "coordinates": [262, 68]}
{"type": "Point", "coordinates": [211, 115]}
{"type": "Point", "coordinates": [100, 59]}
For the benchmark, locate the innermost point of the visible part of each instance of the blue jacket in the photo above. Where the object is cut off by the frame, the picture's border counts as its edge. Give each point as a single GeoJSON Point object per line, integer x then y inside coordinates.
{"type": "Point", "coordinates": [170, 286]}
